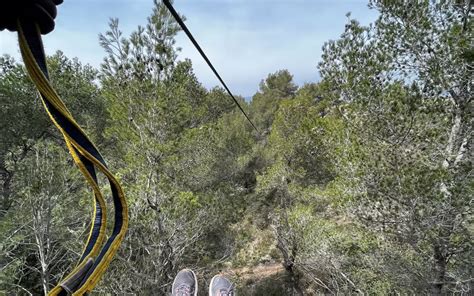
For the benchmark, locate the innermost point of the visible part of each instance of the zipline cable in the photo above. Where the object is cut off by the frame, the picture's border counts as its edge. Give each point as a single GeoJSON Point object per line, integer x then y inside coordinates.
{"type": "Point", "coordinates": [196, 44]}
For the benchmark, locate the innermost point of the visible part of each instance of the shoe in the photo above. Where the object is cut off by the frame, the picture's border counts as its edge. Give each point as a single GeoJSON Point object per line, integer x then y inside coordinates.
{"type": "Point", "coordinates": [220, 286]}
{"type": "Point", "coordinates": [185, 284]}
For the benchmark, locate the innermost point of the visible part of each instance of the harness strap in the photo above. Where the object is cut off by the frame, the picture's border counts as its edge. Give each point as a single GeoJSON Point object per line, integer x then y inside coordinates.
{"type": "Point", "coordinates": [94, 260]}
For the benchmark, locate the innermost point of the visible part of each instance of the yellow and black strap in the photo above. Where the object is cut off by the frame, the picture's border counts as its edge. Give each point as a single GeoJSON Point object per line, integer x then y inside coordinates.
{"type": "Point", "coordinates": [97, 254]}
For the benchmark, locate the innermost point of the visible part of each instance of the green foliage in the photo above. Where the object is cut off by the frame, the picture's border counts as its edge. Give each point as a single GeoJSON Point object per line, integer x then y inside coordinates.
{"type": "Point", "coordinates": [273, 89]}
{"type": "Point", "coordinates": [403, 91]}
{"type": "Point", "coordinates": [48, 211]}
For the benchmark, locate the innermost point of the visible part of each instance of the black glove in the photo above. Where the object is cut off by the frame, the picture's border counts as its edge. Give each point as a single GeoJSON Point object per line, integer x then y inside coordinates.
{"type": "Point", "coordinates": [42, 12]}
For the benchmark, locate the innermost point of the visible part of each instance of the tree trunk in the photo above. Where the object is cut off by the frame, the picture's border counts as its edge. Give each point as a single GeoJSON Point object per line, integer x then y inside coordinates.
{"type": "Point", "coordinates": [42, 251]}
{"type": "Point", "coordinates": [440, 262]}
{"type": "Point", "coordinates": [5, 189]}
{"type": "Point", "coordinates": [289, 264]}
{"type": "Point", "coordinates": [454, 154]}
{"type": "Point", "coordinates": [287, 244]}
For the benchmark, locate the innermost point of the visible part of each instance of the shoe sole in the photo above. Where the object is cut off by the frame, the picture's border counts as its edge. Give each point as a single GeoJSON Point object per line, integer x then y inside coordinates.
{"type": "Point", "coordinates": [210, 284]}
{"type": "Point", "coordinates": [195, 280]}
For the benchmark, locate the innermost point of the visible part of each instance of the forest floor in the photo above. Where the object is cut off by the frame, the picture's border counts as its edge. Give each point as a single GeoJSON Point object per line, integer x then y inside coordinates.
{"type": "Point", "coordinates": [263, 279]}
{"type": "Point", "coordinates": [257, 272]}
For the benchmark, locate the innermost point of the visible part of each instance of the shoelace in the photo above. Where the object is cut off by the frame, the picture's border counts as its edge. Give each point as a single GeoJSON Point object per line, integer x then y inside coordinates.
{"type": "Point", "coordinates": [183, 290]}
{"type": "Point", "coordinates": [226, 292]}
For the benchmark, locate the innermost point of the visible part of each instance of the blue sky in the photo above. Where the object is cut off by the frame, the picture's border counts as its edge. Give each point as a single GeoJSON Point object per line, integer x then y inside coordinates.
{"type": "Point", "coordinates": [245, 39]}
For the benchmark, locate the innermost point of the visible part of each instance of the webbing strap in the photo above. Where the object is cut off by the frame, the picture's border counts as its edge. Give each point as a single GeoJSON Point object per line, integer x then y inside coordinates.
{"type": "Point", "coordinates": [94, 260]}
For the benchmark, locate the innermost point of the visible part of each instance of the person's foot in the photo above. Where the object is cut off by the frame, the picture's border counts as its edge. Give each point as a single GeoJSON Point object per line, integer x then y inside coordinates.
{"type": "Point", "coordinates": [220, 286]}
{"type": "Point", "coordinates": [185, 284]}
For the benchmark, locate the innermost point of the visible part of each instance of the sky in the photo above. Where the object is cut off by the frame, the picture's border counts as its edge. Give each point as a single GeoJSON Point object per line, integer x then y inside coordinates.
{"type": "Point", "coordinates": [244, 39]}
